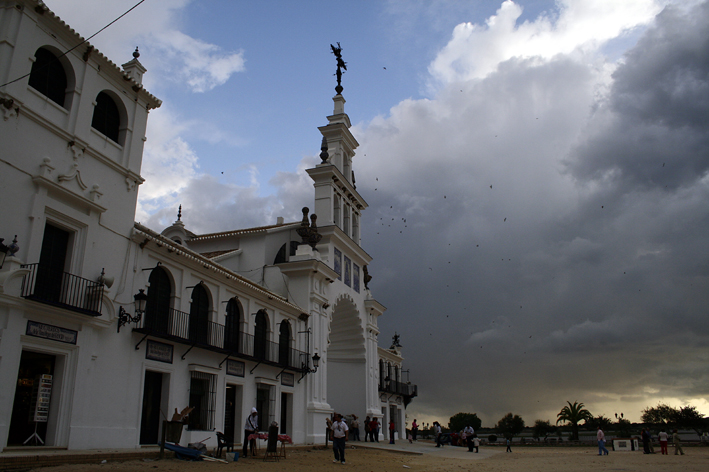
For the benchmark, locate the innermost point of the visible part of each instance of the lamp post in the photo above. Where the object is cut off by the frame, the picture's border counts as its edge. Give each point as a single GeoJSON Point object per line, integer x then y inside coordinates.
{"type": "Point", "coordinates": [140, 300]}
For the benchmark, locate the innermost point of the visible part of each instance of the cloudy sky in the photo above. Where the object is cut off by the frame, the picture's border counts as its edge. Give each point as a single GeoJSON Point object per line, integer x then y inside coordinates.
{"type": "Point", "coordinates": [536, 173]}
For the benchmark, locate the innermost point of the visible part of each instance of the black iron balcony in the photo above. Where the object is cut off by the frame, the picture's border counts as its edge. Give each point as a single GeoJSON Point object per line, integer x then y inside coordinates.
{"type": "Point", "coordinates": [398, 388]}
{"type": "Point", "coordinates": [63, 290]}
{"type": "Point", "coordinates": [183, 328]}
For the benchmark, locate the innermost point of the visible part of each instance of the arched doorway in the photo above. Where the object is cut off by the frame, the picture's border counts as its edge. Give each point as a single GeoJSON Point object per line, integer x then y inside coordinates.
{"type": "Point", "coordinates": [199, 315]}
{"type": "Point", "coordinates": [347, 360]}
{"type": "Point", "coordinates": [157, 307]}
{"type": "Point", "coordinates": [231, 326]}
{"type": "Point", "coordinates": [261, 336]}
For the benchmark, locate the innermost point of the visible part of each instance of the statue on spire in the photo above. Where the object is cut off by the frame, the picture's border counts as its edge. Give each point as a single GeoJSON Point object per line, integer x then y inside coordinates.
{"type": "Point", "coordinates": [337, 51]}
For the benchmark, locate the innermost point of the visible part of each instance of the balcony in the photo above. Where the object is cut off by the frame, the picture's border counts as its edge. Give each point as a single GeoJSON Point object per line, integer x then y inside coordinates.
{"type": "Point", "coordinates": [62, 290]}
{"type": "Point", "coordinates": [398, 388]}
{"type": "Point", "coordinates": [183, 328]}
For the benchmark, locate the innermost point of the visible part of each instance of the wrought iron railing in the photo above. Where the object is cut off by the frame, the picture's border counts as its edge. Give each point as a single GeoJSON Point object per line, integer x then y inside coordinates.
{"type": "Point", "coordinates": [399, 388]}
{"type": "Point", "coordinates": [184, 328]}
{"type": "Point", "coordinates": [62, 289]}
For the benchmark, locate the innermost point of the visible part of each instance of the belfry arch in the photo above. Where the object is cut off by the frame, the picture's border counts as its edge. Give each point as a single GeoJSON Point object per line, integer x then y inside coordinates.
{"type": "Point", "coordinates": [347, 359]}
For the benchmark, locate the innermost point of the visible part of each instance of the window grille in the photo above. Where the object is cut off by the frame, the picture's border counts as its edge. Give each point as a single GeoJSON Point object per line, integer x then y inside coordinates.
{"type": "Point", "coordinates": [203, 398]}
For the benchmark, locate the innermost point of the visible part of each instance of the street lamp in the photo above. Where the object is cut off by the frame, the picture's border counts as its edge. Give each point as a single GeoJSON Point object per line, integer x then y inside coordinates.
{"type": "Point", "coordinates": [140, 300]}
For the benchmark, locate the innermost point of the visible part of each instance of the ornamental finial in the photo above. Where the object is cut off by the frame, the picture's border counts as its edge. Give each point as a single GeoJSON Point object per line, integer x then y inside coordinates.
{"type": "Point", "coordinates": [136, 53]}
{"type": "Point", "coordinates": [337, 51]}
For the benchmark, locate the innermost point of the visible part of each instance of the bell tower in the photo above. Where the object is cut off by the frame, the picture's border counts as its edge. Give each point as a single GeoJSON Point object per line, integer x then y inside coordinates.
{"type": "Point", "coordinates": [337, 201]}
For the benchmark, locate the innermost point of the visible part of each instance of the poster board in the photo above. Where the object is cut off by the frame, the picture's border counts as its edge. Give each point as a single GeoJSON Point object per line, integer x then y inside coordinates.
{"type": "Point", "coordinates": [40, 398]}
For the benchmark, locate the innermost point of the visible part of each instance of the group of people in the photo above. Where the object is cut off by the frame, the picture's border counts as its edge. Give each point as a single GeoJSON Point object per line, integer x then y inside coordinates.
{"type": "Point", "coordinates": [646, 437]}
{"type": "Point", "coordinates": [467, 435]}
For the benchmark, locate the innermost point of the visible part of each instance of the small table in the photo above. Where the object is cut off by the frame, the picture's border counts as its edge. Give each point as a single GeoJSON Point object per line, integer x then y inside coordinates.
{"type": "Point", "coordinates": [282, 438]}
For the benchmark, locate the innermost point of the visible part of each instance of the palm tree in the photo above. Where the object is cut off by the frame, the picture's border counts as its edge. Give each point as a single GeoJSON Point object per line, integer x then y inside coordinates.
{"type": "Point", "coordinates": [573, 413]}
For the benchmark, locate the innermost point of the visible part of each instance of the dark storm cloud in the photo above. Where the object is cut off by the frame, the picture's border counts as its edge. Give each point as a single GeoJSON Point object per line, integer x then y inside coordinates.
{"type": "Point", "coordinates": [657, 134]}
{"type": "Point", "coordinates": [582, 273]}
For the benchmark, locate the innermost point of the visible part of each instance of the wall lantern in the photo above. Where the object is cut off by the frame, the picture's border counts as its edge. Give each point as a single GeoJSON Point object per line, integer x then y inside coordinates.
{"type": "Point", "coordinates": [3, 252]}
{"type": "Point", "coordinates": [140, 300]}
{"type": "Point", "coordinates": [306, 368]}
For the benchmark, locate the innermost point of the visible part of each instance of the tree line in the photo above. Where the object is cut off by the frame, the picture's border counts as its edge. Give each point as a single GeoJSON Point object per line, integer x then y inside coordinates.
{"type": "Point", "coordinates": [575, 415]}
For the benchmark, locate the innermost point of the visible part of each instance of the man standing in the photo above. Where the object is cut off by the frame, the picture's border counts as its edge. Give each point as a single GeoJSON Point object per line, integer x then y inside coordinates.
{"type": "Point", "coordinates": [438, 432]}
{"type": "Point", "coordinates": [355, 428]}
{"type": "Point", "coordinates": [414, 429]}
{"type": "Point", "coordinates": [374, 429]}
{"type": "Point", "coordinates": [338, 434]}
{"type": "Point", "coordinates": [392, 430]}
{"type": "Point", "coordinates": [601, 442]}
{"type": "Point", "coordinates": [367, 421]}
{"type": "Point", "coordinates": [469, 432]}
{"type": "Point", "coordinates": [645, 436]}
{"type": "Point", "coordinates": [250, 427]}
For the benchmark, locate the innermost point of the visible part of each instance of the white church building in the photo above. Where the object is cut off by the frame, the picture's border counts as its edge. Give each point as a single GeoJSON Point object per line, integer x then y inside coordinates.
{"type": "Point", "coordinates": [107, 326]}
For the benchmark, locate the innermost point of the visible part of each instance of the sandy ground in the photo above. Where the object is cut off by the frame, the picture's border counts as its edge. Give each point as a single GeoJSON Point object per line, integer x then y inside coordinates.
{"type": "Point", "coordinates": [427, 458]}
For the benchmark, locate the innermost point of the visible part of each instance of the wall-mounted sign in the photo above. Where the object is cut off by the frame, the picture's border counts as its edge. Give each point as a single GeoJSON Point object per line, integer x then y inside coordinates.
{"type": "Point", "coordinates": [161, 352]}
{"type": "Point", "coordinates": [236, 368]}
{"type": "Point", "coordinates": [55, 333]}
{"type": "Point", "coordinates": [287, 379]}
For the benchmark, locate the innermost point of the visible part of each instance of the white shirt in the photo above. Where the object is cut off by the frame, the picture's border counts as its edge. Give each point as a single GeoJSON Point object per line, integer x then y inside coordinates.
{"type": "Point", "coordinates": [339, 428]}
{"type": "Point", "coordinates": [600, 436]}
{"type": "Point", "coordinates": [469, 431]}
{"type": "Point", "coordinates": [251, 423]}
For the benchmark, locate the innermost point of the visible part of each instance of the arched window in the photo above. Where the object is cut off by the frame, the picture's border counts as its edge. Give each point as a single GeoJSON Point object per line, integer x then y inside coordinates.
{"type": "Point", "coordinates": [199, 315]}
{"type": "Point", "coordinates": [284, 344]}
{"type": "Point", "coordinates": [261, 336]}
{"type": "Point", "coordinates": [48, 76]}
{"type": "Point", "coordinates": [157, 308]}
{"type": "Point", "coordinates": [231, 327]}
{"type": "Point", "coordinates": [107, 117]}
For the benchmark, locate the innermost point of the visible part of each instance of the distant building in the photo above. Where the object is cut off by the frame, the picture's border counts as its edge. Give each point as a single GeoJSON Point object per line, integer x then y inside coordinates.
{"type": "Point", "coordinates": [394, 393]}
{"type": "Point", "coordinates": [231, 320]}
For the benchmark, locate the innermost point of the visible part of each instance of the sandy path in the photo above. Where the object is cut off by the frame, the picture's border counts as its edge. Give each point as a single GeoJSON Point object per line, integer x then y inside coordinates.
{"type": "Point", "coordinates": [523, 459]}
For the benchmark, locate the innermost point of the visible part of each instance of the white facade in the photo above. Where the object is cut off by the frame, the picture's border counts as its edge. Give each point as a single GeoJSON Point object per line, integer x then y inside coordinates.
{"type": "Point", "coordinates": [232, 319]}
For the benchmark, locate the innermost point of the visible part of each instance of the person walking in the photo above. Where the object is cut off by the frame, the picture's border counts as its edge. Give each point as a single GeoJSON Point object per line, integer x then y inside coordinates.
{"type": "Point", "coordinates": [392, 431]}
{"type": "Point", "coordinates": [338, 434]}
{"type": "Point", "coordinates": [366, 429]}
{"type": "Point", "coordinates": [663, 442]}
{"type": "Point", "coordinates": [250, 427]}
{"type": "Point", "coordinates": [476, 443]}
{"type": "Point", "coordinates": [414, 429]}
{"type": "Point", "coordinates": [676, 441]}
{"type": "Point", "coordinates": [354, 426]}
{"type": "Point", "coordinates": [509, 443]}
{"type": "Point", "coordinates": [601, 442]}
